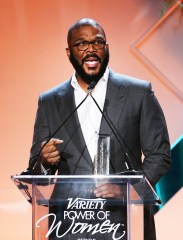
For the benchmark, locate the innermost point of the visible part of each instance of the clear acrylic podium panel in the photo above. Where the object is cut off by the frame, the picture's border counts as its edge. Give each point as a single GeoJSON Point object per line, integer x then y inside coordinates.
{"type": "Point", "coordinates": [65, 207]}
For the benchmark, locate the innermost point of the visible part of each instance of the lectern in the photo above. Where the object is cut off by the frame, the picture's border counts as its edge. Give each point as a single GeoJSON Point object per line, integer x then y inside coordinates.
{"type": "Point", "coordinates": [65, 207]}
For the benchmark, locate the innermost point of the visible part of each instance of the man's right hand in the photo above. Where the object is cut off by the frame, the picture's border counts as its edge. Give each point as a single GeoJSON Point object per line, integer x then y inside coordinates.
{"type": "Point", "coordinates": [50, 154]}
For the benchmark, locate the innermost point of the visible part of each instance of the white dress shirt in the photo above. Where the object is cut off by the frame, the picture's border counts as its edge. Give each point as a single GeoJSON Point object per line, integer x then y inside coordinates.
{"type": "Point", "coordinates": [88, 113]}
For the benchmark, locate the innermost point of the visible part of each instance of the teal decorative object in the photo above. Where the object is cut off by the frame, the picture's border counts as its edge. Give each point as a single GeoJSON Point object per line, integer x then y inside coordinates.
{"type": "Point", "coordinates": [172, 181]}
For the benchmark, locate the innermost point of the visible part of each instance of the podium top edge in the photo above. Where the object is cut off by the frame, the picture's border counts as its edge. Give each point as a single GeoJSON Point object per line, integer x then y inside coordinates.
{"type": "Point", "coordinates": [77, 176]}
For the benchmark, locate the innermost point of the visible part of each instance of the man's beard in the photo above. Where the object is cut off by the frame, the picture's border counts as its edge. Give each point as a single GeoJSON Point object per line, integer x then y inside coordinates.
{"type": "Point", "coordinates": [88, 78]}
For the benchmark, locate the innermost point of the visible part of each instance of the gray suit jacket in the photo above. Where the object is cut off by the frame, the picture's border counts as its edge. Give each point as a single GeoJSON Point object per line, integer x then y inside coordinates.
{"type": "Point", "coordinates": [132, 109]}
{"type": "Point", "coordinates": [134, 112]}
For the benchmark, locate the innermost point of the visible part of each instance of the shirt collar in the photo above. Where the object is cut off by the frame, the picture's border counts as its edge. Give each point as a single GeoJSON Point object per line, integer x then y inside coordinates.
{"type": "Point", "coordinates": [76, 85]}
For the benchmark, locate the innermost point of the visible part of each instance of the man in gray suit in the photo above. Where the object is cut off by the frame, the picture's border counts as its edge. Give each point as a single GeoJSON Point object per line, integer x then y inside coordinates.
{"type": "Point", "coordinates": [129, 105]}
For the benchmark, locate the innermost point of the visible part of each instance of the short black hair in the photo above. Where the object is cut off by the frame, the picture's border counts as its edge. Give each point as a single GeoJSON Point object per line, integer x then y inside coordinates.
{"type": "Point", "coordinates": [83, 22]}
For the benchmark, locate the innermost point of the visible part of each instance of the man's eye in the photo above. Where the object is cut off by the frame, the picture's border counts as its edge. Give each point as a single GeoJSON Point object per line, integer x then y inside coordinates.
{"type": "Point", "coordinates": [82, 44]}
{"type": "Point", "coordinates": [98, 42]}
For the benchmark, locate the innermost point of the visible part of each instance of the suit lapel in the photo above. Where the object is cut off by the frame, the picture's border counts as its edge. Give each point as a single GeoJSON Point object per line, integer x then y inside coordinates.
{"type": "Point", "coordinates": [114, 103]}
{"type": "Point", "coordinates": [67, 105]}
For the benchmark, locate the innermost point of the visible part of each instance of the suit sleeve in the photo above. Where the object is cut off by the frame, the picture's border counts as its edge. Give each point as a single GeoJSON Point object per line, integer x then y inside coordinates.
{"type": "Point", "coordinates": [41, 133]}
{"type": "Point", "coordinates": [154, 138]}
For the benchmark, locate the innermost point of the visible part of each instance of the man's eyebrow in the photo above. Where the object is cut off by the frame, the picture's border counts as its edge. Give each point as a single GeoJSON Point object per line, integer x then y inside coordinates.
{"type": "Point", "coordinates": [77, 40]}
{"type": "Point", "coordinates": [101, 37]}
{"type": "Point", "coordinates": [96, 38]}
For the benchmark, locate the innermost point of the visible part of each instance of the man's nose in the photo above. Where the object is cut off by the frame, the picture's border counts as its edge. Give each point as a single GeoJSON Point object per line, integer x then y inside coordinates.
{"type": "Point", "coordinates": [91, 48]}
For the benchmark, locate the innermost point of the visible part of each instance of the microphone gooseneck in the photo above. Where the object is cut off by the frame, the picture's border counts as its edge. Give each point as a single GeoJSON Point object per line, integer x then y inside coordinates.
{"type": "Point", "coordinates": [128, 163]}
{"type": "Point", "coordinates": [36, 157]}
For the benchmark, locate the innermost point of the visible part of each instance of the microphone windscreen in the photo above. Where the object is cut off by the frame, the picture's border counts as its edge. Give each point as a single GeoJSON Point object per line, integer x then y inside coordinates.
{"type": "Point", "coordinates": [91, 85]}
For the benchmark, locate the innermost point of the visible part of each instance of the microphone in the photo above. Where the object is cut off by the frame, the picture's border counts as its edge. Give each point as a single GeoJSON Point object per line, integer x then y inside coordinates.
{"type": "Point", "coordinates": [130, 169]}
{"type": "Point", "coordinates": [36, 158]}
{"type": "Point", "coordinates": [91, 86]}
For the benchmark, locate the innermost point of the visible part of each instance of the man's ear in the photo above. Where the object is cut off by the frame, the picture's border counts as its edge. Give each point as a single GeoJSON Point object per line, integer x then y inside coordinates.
{"type": "Point", "coordinates": [68, 52]}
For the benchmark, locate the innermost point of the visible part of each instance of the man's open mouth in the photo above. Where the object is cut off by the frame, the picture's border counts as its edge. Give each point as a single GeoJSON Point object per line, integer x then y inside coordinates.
{"type": "Point", "coordinates": [91, 62]}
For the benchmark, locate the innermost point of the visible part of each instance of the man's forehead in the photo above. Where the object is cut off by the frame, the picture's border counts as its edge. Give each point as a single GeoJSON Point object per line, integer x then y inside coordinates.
{"type": "Point", "coordinates": [86, 31]}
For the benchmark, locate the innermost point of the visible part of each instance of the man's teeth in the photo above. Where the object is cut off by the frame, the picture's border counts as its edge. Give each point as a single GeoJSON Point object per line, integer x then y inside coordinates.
{"type": "Point", "coordinates": [91, 63]}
